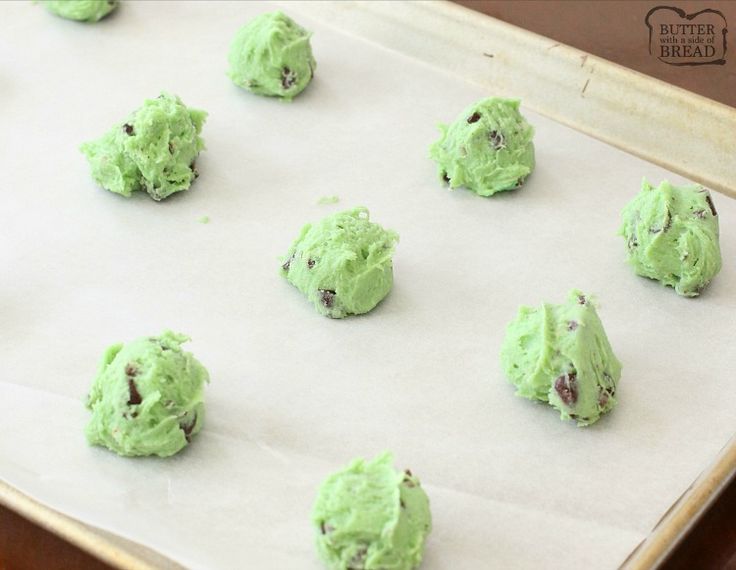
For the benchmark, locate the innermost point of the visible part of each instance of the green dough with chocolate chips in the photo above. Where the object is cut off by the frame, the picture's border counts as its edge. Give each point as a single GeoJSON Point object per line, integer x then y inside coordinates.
{"type": "Point", "coordinates": [153, 150]}
{"type": "Point", "coordinates": [81, 10]}
{"type": "Point", "coordinates": [372, 517]}
{"type": "Point", "coordinates": [488, 149]}
{"type": "Point", "coordinates": [560, 354]}
{"type": "Point", "coordinates": [671, 235]}
{"type": "Point", "coordinates": [342, 263]}
{"type": "Point", "coordinates": [147, 398]}
{"type": "Point", "coordinates": [271, 55]}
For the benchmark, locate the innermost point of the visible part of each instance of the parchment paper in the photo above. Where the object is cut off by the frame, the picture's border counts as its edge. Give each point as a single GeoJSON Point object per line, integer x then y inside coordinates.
{"type": "Point", "coordinates": [294, 395]}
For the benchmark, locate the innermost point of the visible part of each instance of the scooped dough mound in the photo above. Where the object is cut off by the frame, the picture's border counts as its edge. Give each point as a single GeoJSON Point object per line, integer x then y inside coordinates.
{"type": "Point", "coordinates": [560, 354]}
{"type": "Point", "coordinates": [153, 150]}
{"type": "Point", "coordinates": [342, 263]}
{"type": "Point", "coordinates": [271, 55]}
{"type": "Point", "coordinates": [81, 10]}
{"type": "Point", "coordinates": [147, 398]}
{"type": "Point", "coordinates": [369, 516]}
{"type": "Point", "coordinates": [487, 149]}
{"type": "Point", "coordinates": [671, 235]}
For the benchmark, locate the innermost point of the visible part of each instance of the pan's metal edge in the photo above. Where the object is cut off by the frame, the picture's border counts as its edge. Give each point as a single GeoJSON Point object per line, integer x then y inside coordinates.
{"type": "Point", "coordinates": [686, 511]}
{"type": "Point", "coordinates": [592, 95]}
{"type": "Point", "coordinates": [93, 541]}
{"type": "Point", "coordinates": [685, 133]}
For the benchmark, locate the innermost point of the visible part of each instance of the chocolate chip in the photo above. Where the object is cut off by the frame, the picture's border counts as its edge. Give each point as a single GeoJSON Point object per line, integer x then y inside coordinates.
{"type": "Point", "coordinates": [357, 562]}
{"type": "Point", "coordinates": [582, 300]}
{"type": "Point", "coordinates": [610, 390]}
{"type": "Point", "coordinates": [131, 370]}
{"type": "Point", "coordinates": [171, 148]}
{"type": "Point", "coordinates": [310, 263]}
{"type": "Point", "coordinates": [496, 139]}
{"type": "Point", "coordinates": [159, 343]}
{"type": "Point", "coordinates": [667, 223]}
{"type": "Point", "coordinates": [445, 177]}
{"type": "Point", "coordinates": [402, 504]}
{"type": "Point", "coordinates": [325, 528]}
{"type": "Point", "coordinates": [572, 325]}
{"type": "Point", "coordinates": [188, 428]}
{"type": "Point", "coordinates": [603, 398]}
{"type": "Point", "coordinates": [632, 243]}
{"type": "Point", "coordinates": [408, 480]}
{"type": "Point", "coordinates": [327, 296]}
{"type": "Point", "coordinates": [134, 398]}
{"type": "Point", "coordinates": [287, 263]}
{"type": "Point", "coordinates": [667, 220]}
{"type": "Point", "coordinates": [519, 183]}
{"type": "Point", "coordinates": [567, 388]}
{"type": "Point", "coordinates": [474, 118]}
{"type": "Point", "coordinates": [288, 78]}
{"type": "Point", "coordinates": [710, 205]}
{"type": "Point", "coordinates": [128, 128]}
{"type": "Point", "coordinates": [699, 214]}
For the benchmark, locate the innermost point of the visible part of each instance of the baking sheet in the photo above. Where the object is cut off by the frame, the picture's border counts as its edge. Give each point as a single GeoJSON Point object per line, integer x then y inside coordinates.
{"type": "Point", "coordinates": [294, 395]}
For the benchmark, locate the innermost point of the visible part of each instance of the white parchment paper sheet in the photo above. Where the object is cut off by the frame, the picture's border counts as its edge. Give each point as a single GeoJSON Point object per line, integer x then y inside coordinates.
{"type": "Point", "coordinates": [295, 395]}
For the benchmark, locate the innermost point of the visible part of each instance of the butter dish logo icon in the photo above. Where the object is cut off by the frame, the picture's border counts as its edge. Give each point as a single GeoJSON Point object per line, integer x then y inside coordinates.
{"type": "Point", "coordinates": [679, 38]}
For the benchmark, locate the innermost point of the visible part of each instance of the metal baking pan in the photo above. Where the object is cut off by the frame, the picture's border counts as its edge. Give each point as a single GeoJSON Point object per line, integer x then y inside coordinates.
{"type": "Point", "coordinates": [587, 93]}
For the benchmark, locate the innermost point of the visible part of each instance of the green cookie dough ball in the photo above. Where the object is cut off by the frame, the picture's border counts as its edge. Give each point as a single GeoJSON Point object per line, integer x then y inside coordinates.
{"type": "Point", "coordinates": [271, 55]}
{"type": "Point", "coordinates": [147, 397]}
{"type": "Point", "coordinates": [368, 516]}
{"type": "Point", "coordinates": [560, 354]}
{"type": "Point", "coordinates": [671, 234]}
{"type": "Point", "coordinates": [81, 10]}
{"type": "Point", "coordinates": [487, 149]}
{"type": "Point", "coordinates": [154, 149]}
{"type": "Point", "coordinates": [342, 263]}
